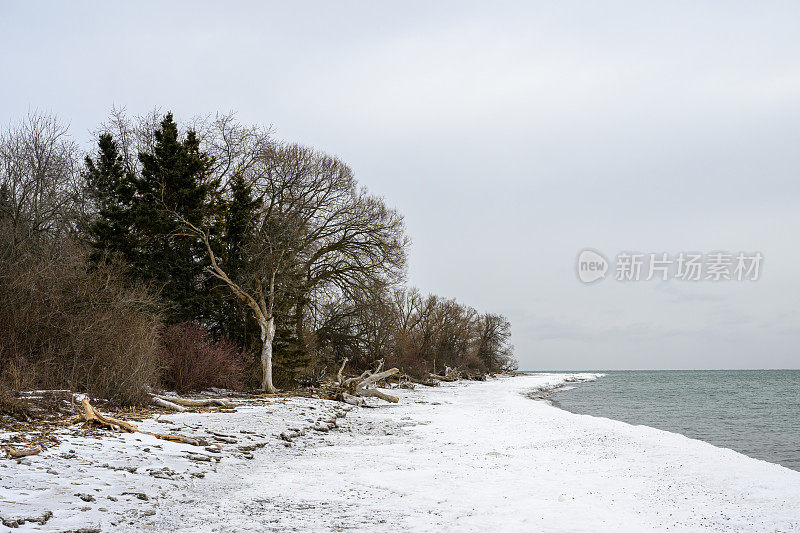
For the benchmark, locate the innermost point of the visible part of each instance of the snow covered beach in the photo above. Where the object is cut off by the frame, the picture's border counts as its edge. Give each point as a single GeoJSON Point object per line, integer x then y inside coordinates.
{"type": "Point", "coordinates": [465, 456]}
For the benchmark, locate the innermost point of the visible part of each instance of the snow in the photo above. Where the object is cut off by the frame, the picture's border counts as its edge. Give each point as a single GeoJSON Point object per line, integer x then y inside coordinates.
{"type": "Point", "coordinates": [465, 456]}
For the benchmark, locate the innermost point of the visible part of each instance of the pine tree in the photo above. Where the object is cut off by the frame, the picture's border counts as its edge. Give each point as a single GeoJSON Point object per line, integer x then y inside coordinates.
{"type": "Point", "coordinates": [291, 351]}
{"type": "Point", "coordinates": [175, 184]}
{"type": "Point", "coordinates": [232, 318]}
{"type": "Point", "coordinates": [112, 190]}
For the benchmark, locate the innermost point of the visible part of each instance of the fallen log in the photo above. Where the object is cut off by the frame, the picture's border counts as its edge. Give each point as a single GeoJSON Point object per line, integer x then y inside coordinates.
{"type": "Point", "coordinates": [352, 400]}
{"type": "Point", "coordinates": [187, 402]}
{"type": "Point", "coordinates": [354, 390]}
{"type": "Point", "coordinates": [93, 417]}
{"type": "Point", "coordinates": [14, 453]}
{"type": "Point", "coordinates": [161, 402]}
{"type": "Point", "coordinates": [181, 439]}
{"type": "Point", "coordinates": [375, 393]}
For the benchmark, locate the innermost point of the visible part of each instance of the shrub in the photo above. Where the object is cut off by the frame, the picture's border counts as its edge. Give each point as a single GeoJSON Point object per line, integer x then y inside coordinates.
{"type": "Point", "coordinates": [66, 325]}
{"type": "Point", "coordinates": [191, 360]}
{"type": "Point", "coordinates": [13, 407]}
{"type": "Point", "coordinates": [475, 364]}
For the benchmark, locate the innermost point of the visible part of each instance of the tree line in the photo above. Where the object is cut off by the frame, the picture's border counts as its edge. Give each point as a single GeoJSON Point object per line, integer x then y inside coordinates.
{"type": "Point", "coordinates": [207, 255]}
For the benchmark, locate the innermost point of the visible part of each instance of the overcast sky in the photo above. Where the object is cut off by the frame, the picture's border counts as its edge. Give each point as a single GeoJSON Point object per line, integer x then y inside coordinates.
{"type": "Point", "coordinates": [511, 136]}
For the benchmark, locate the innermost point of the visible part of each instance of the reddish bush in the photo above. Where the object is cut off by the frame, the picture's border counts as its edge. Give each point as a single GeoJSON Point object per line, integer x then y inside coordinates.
{"type": "Point", "coordinates": [193, 361]}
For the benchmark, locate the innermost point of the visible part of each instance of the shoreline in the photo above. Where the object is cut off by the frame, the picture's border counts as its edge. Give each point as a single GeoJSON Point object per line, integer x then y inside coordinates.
{"type": "Point", "coordinates": [544, 392]}
{"type": "Point", "coordinates": [463, 456]}
{"type": "Point", "coordinates": [731, 417]}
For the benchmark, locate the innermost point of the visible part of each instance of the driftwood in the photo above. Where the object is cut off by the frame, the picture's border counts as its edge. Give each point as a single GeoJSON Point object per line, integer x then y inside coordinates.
{"type": "Point", "coordinates": [404, 382]}
{"type": "Point", "coordinates": [354, 390]}
{"type": "Point", "coordinates": [450, 374]}
{"type": "Point", "coordinates": [179, 404]}
{"type": "Point", "coordinates": [161, 402]}
{"type": "Point", "coordinates": [92, 417]}
{"type": "Point", "coordinates": [205, 402]}
{"type": "Point", "coordinates": [181, 439]}
{"type": "Point", "coordinates": [428, 382]}
{"type": "Point", "coordinates": [15, 453]}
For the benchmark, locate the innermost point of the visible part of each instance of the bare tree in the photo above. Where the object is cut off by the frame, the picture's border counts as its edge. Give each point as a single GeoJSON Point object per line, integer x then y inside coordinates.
{"type": "Point", "coordinates": [38, 178]}
{"type": "Point", "coordinates": [347, 240]}
{"type": "Point", "coordinates": [265, 265]}
{"type": "Point", "coordinates": [235, 148]}
{"type": "Point", "coordinates": [494, 343]}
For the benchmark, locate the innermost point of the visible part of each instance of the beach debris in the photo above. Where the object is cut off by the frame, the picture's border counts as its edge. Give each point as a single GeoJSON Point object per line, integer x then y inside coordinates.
{"type": "Point", "coordinates": [354, 390]}
{"type": "Point", "coordinates": [176, 403]}
{"type": "Point", "coordinates": [92, 417]}
{"type": "Point", "coordinates": [161, 402]}
{"type": "Point", "coordinates": [140, 495]}
{"type": "Point", "coordinates": [16, 453]}
{"type": "Point", "coordinates": [450, 374]}
{"type": "Point", "coordinates": [181, 439]}
{"type": "Point", "coordinates": [17, 522]}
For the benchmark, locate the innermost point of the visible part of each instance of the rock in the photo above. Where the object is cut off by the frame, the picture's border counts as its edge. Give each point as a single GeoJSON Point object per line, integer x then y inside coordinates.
{"type": "Point", "coordinates": [51, 471]}
{"type": "Point", "coordinates": [85, 497]}
{"type": "Point", "coordinates": [251, 447]}
{"type": "Point", "coordinates": [42, 520]}
{"type": "Point", "coordinates": [140, 495]}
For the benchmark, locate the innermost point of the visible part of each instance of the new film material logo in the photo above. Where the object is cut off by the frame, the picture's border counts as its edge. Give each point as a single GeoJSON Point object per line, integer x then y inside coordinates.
{"type": "Point", "coordinates": [592, 266]}
{"type": "Point", "coordinates": [684, 266]}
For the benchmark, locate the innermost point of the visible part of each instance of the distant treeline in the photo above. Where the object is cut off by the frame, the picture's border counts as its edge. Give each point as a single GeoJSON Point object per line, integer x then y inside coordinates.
{"type": "Point", "coordinates": [207, 255]}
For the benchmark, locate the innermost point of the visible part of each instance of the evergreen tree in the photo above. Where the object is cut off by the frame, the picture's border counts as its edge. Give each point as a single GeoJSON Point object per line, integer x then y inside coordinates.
{"type": "Point", "coordinates": [175, 184]}
{"type": "Point", "coordinates": [291, 351]}
{"type": "Point", "coordinates": [112, 190]}
{"type": "Point", "coordinates": [230, 316]}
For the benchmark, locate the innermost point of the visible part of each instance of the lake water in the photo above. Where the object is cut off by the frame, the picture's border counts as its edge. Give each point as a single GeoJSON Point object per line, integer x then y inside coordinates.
{"type": "Point", "coordinates": [755, 412]}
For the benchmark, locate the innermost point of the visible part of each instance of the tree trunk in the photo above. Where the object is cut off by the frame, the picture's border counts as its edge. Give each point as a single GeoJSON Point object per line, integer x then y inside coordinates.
{"type": "Point", "coordinates": [267, 335]}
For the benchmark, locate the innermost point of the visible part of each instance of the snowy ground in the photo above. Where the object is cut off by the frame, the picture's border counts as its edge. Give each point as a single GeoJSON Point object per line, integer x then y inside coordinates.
{"type": "Point", "coordinates": [462, 457]}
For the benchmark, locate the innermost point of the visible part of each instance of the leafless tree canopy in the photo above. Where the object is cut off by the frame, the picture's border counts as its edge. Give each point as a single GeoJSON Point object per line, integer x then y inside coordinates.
{"type": "Point", "coordinates": [38, 177]}
{"type": "Point", "coordinates": [321, 256]}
